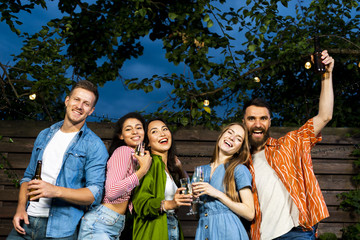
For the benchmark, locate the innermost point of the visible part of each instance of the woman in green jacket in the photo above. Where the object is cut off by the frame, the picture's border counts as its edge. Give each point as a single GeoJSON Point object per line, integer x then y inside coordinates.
{"type": "Point", "coordinates": [157, 196]}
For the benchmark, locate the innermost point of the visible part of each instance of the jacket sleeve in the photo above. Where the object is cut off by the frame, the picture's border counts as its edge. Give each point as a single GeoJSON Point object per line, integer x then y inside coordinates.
{"type": "Point", "coordinates": [95, 169]}
{"type": "Point", "coordinates": [117, 184]}
{"type": "Point", "coordinates": [145, 200]}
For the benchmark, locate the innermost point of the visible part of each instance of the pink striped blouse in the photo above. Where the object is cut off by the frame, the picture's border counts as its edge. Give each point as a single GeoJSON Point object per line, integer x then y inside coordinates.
{"type": "Point", "coordinates": [120, 176]}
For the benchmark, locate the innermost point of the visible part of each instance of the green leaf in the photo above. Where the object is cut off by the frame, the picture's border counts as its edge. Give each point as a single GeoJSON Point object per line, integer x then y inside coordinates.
{"type": "Point", "coordinates": [173, 16]}
{"type": "Point", "coordinates": [252, 47]}
{"type": "Point", "coordinates": [206, 18]}
{"type": "Point", "coordinates": [157, 84]}
{"type": "Point", "coordinates": [11, 140]}
{"type": "Point", "coordinates": [184, 121]}
{"type": "Point", "coordinates": [210, 23]}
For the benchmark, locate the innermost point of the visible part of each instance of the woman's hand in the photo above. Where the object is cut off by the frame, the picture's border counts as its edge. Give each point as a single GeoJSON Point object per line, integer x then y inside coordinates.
{"type": "Point", "coordinates": [201, 188]}
{"type": "Point", "coordinates": [144, 163]}
{"type": "Point", "coordinates": [178, 200]}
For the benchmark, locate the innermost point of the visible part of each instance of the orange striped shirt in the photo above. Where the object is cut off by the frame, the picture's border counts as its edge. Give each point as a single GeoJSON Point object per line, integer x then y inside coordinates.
{"type": "Point", "coordinates": [290, 157]}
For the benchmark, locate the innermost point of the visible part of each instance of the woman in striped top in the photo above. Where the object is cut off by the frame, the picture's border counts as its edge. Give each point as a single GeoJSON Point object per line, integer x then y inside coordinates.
{"type": "Point", "coordinates": [107, 220]}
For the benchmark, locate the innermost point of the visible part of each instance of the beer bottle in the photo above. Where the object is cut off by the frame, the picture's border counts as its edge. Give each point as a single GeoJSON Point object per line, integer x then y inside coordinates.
{"type": "Point", "coordinates": [37, 176]}
{"type": "Point", "coordinates": [319, 67]}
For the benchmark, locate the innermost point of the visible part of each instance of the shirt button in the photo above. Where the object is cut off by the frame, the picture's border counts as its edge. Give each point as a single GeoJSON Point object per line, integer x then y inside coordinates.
{"type": "Point", "coordinates": [206, 239]}
{"type": "Point", "coordinates": [206, 214]}
{"type": "Point", "coordinates": [174, 227]}
{"type": "Point", "coordinates": [206, 226]}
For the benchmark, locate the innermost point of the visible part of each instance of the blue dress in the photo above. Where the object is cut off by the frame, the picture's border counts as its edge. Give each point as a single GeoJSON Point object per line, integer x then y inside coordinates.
{"type": "Point", "coordinates": [217, 221]}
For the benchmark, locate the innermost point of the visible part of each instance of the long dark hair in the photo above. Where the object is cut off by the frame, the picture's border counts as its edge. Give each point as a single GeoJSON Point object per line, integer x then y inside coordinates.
{"type": "Point", "coordinates": [240, 157]}
{"type": "Point", "coordinates": [116, 141]}
{"type": "Point", "coordinates": [174, 170]}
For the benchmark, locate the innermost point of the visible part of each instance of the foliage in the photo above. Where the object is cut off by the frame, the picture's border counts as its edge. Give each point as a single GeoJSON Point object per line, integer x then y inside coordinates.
{"type": "Point", "coordinates": [223, 51]}
{"type": "Point", "coordinates": [6, 167]}
{"type": "Point", "coordinates": [352, 232]}
{"type": "Point", "coordinates": [351, 202]}
{"type": "Point", "coordinates": [327, 236]}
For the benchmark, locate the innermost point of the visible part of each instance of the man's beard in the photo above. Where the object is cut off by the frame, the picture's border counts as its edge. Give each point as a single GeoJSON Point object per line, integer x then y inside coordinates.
{"type": "Point", "coordinates": [255, 144]}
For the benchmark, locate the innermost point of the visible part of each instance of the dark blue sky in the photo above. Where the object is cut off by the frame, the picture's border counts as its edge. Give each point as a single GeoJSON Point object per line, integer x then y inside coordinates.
{"type": "Point", "coordinates": [115, 100]}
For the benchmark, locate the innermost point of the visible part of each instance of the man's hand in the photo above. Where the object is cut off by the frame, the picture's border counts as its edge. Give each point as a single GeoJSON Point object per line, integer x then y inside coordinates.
{"type": "Point", "coordinates": [20, 216]}
{"type": "Point", "coordinates": [42, 189]}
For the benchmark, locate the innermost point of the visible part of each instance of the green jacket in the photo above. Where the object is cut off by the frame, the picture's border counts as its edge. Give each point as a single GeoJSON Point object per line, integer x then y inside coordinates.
{"type": "Point", "coordinates": [149, 223]}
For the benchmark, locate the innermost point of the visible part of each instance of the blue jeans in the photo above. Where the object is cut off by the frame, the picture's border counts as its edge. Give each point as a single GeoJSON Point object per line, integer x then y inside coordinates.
{"type": "Point", "coordinates": [173, 226]}
{"type": "Point", "coordinates": [101, 223]}
{"type": "Point", "coordinates": [297, 233]}
{"type": "Point", "coordinates": [36, 229]}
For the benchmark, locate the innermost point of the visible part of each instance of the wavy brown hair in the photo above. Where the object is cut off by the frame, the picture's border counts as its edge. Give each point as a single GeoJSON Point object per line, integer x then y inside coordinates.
{"type": "Point", "coordinates": [240, 157]}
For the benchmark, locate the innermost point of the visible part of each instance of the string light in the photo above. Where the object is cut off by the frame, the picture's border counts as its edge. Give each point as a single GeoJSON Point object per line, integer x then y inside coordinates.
{"type": "Point", "coordinates": [256, 79]}
{"type": "Point", "coordinates": [32, 97]}
{"type": "Point", "coordinates": [307, 65]}
{"type": "Point", "coordinates": [206, 103]}
{"type": "Point", "coordinates": [359, 65]}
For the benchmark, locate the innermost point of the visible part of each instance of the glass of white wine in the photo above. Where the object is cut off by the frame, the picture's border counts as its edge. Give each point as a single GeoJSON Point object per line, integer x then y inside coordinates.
{"type": "Point", "coordinates": [198, 176]}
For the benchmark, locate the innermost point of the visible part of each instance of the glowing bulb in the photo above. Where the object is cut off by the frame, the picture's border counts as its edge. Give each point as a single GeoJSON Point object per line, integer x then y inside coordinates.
{"type": "Point", "coordinates": [256, 79]}
{"type": "Point", "coordinates": [206, 103]}
{"type": "Point", "coordinates": [32, 96]}
{"type": "Point", "coordinates": [307, 65]}
{"type": "Point", "coordinates": [359, 64]}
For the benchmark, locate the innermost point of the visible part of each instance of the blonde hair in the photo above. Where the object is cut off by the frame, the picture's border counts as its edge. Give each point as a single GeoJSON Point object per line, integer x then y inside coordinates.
{"type": "Point", "coordinates": [240, 157]}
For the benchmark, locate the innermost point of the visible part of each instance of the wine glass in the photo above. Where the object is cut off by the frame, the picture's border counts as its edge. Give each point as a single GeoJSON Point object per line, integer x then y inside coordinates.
{"type": "Point", "coordinates": [184, 183]}
{"type": "Point", "coordinates": [198, 176]}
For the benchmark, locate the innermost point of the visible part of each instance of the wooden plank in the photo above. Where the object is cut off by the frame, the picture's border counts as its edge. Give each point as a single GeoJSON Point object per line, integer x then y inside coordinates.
{"type": "Point", "coordinates": [331, 198]}
{"type": "Point", "coordinates": [5, 180]}
{"type": "Point", "coordinates": [9, 195]}
{"type": "Point", "coordinates": [334, 167]}
{"type": "Point", "coordinates": [19, 145]}
{"type": "Point", "coordinates": [335, 182]}
{"type": "Point", "coordinates": [339, 216]}
{"type": "Point", "coordinates": [30, 129]}
{"type": "Point", "coordinates": [333, 151]}
{"type": "Point", "coordinates": [319, 151]}
{"type": "Point", "coordinates": [332, 228]}
{"type": "Point", "coordinates": [7, 212]}
{"type": "Point", "coordinates": [18, 160]}
{"type": "Point", "coordinates": [24, 145]}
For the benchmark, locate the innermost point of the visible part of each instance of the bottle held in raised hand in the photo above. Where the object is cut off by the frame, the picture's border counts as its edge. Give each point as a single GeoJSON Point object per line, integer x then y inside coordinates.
{"type": "Point", "coordinates": [319, 67]}
{"type": "Point", "coordinates": [37, 176]}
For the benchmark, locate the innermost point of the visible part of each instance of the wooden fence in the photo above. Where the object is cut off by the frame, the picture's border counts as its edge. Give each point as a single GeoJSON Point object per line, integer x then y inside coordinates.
{"type": "Point", "coordinates": [332, 163]}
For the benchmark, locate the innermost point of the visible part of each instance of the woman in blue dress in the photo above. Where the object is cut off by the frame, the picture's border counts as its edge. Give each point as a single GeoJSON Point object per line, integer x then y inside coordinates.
{"type": "Point", "coordinates": [226, 190]}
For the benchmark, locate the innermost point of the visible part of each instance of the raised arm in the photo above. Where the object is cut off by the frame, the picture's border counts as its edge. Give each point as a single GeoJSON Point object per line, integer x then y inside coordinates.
{"type": "Point", "coordinates": [326, 103]}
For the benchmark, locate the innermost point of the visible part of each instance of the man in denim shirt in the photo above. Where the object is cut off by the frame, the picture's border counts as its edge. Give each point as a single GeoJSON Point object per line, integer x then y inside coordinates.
{"type": "Point", "coordinates": [73, 173]}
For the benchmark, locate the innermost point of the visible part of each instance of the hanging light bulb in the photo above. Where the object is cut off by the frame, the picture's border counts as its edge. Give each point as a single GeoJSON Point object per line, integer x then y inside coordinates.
{"type": "Point", "coordinates": [206, 103]}
{"type": "Point", "coordinates": [256, 79]}
{"type": "Point", "coordinates": [307, 65]}
{"type": "Point", "coordinates": [32, 96]}
{"type": "Point", "coordinates": [359, 65]}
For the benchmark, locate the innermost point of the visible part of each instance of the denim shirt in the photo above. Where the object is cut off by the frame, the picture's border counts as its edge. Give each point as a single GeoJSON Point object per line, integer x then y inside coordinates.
{"type": "Point", "coordinates": [83, 165]}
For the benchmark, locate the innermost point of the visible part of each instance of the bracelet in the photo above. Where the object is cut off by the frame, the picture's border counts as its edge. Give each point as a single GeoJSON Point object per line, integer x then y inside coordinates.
{"type": "Point", "coordinates": [162, 206]}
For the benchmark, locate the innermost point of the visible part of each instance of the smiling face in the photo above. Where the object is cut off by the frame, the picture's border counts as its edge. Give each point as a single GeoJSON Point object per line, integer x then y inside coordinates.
{"type": "Point", "coordinates": [160, 138]}
{"type": "Point", "coordinates": [132, 132]}
{"type": "Point", "coordinates": [258, 121]}
{"type": "Point", "coordinates": [231, 140]}
{"type": "Point", "coordinates": [79, 105]}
